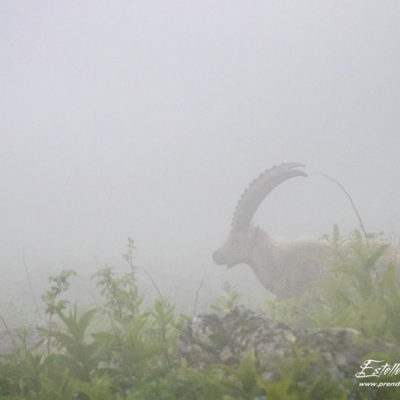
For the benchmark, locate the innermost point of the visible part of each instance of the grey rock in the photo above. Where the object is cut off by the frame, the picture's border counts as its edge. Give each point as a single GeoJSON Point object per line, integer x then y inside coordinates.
{"type": "Point", "coordinates": [226, 337]}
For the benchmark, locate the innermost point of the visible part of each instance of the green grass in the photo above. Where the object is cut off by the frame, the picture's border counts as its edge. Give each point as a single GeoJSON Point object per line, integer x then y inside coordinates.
{"type": "Point", "coordinates": [119, 350]}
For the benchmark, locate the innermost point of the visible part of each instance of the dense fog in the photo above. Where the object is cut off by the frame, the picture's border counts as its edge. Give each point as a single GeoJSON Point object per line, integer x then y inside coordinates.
{"type": "Point", "coordinates": [149, 119]}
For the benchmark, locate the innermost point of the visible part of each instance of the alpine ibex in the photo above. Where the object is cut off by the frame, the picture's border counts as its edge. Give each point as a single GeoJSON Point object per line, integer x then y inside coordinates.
{"type": "Point", "coordinates": [284, 268]}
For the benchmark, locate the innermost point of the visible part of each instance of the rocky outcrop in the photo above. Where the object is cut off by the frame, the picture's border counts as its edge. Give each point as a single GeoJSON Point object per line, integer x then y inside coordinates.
{"type": "Point", "coordinates": [226, 337]}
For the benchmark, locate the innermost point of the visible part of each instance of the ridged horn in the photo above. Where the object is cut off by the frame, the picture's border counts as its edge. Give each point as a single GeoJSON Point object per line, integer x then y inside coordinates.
{"type": "Point", "coordinates": [256, 192]}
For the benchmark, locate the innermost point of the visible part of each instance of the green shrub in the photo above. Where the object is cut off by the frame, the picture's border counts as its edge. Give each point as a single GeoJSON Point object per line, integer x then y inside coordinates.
{"type": "Point", "coordinates": [132, 352]}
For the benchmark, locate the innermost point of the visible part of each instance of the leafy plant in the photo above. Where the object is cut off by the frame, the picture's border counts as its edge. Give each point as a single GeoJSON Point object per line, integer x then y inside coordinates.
{"type": "Point", "coordinates": [79, 357]}
{"type": "Point", "coordinates": [228, 301]}
{"type": "Point", "coordinates": [53, 305]}
{"type": "Point", "coordinates": [133, 354]}
{"type": "Point", "coordinates": [121, 293]}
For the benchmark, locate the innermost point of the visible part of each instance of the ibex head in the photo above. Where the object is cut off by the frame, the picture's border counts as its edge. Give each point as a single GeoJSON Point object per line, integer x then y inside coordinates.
{"type": "Point", "coordinates": [237, 249]}
{"type": "Point", "coordinates": [242, 238]}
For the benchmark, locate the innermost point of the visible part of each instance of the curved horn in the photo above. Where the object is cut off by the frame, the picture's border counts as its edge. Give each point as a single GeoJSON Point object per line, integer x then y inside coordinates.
{"type": "Point", "coordinates": [258, 190]}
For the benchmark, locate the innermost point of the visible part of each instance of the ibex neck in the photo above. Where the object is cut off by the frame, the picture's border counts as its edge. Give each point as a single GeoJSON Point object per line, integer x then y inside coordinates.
{"type": "Point", "coordinates": [264, 256]}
